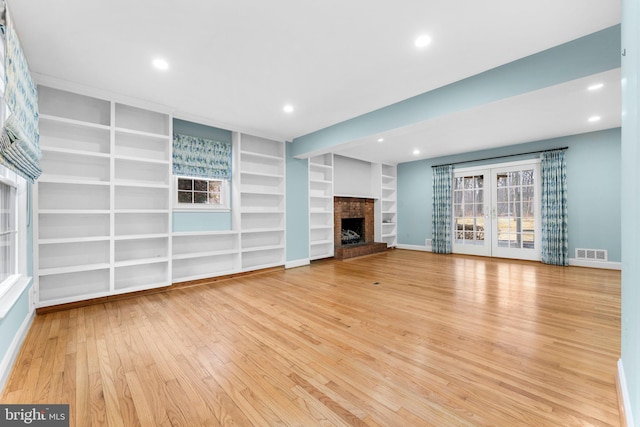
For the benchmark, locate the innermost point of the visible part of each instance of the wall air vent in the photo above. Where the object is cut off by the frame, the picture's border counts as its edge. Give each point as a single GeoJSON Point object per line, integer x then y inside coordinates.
{"type": "Point", "coordinates": [592, 254]}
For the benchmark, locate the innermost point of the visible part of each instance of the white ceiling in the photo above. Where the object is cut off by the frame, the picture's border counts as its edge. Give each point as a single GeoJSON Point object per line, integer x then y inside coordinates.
{"type": "Point", "coordinates": [234, 64]}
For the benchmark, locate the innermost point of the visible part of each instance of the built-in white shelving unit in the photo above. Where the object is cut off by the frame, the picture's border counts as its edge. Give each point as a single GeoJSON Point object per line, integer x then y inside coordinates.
{"type": "Point", "coordinates": [321, 206]}
{"type": "Point", "coordinates": [199, 255]}
{"type": "Point", "coordinates": [103, 201]}
{"type": "Point", "coordinates": [103, 204]}
{"type": "Point", "coordinates": [386, 207]}
{"type": "Point", "coordinates": [258, 209]}
{"type": "Point", "coordinates": [262, 202]}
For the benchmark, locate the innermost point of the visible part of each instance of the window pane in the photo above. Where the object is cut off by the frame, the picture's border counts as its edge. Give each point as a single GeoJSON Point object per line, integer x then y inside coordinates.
{"type": "Point", "coordinates": [527, 177]}
{"type": "Point", "coordinates": [457, 183]}
{"type": "Point", "coordinates": [514, 178]}
{"type": "Point", "coordinates": [214, 186]}
{"type": "Point", "coordinates": [200, 185]}
{"type": "Point", "coordinates": [185, 184]}
{"type": "Point", "coordinates": [199, 197]}
{"type": "Point", "coordinates": [457, 197]}
{"type": "Point", "coordinates": [457, 211]}
{"type": "Point", "coordinates": [185, 197]}
{"type": "Point", "coordinates": [214, 198]}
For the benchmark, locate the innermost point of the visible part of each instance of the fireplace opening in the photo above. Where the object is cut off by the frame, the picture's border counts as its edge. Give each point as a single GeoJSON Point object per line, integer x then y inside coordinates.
{"type": "Point", "coordinates": [352, 231]}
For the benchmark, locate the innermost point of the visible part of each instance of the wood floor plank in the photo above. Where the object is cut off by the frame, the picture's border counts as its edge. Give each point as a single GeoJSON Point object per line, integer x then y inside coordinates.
{"type": "Point", "coordinates": [400, 338]}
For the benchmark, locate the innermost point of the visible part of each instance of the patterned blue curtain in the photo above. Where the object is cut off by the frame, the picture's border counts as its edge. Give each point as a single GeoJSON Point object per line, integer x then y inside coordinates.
{"type": "Point", "coordinates": [201, 158]}
{"type": "Point", "coordinates": [555, 240]}
{"type": "Point", "coordinates": [441, 219]}
{"type": "Point", "coordinates": [19, 147]}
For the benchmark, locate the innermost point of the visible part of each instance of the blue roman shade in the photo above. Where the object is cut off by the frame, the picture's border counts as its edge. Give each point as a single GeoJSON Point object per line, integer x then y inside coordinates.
{"type": "Point", "coordinates": [200, 157]}
{"type": "Point", "coordinates": [19, 146]}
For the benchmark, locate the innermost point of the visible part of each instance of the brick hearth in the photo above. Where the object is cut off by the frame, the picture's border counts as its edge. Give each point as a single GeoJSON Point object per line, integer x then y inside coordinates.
{"type": "Point", "coordinates": [355, 207]}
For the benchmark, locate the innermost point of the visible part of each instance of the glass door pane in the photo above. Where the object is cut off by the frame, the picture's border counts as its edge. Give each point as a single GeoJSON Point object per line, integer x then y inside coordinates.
{"type": "Point", "coordinates": [516, 225]}
{"type": "Point", "coordinates": [470, 214]}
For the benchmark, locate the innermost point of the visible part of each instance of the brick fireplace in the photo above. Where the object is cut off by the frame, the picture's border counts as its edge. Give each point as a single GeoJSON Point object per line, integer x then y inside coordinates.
{"type": "Point", "coordinates": [355, 208]}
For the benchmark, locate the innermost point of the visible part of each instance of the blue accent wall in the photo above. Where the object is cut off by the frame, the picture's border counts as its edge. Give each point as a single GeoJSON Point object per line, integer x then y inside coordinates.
{"type": "Point", "coordinates": [202, 131]}
{"type": "Point", "coordinates": [582, 57]}
{"type": "Point", "coordinates": [630, 318]}
{"type": "Point", "coordinates": [297, 208]}
{"type": "Point", "coordinates": [201, 221]}
{"type": "Point", "coordinates": [10, 324]}
{"type": "Point", "coordinates": [593, 181]}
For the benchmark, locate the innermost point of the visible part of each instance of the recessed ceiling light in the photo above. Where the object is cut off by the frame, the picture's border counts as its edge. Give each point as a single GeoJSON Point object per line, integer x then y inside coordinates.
{"type": "Point", "coordinates": [423, 41]}
{"type": "Point", "coordinates": [380, 139]}
{"type": "Point", "coordinates": [416, 152]}
{"type": "Point", "coordinates": [288, 108]}
{"type": "Point", "coordinates": [594, 119]}
{"type": "Point", "coordinates": [596, 86]}
{"type": "Point", "coordinates": [160, 64]}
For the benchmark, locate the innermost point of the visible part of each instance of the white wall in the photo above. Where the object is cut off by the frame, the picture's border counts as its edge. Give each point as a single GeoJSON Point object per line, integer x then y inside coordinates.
{"type": "Point", "coordinates": [352, 177]}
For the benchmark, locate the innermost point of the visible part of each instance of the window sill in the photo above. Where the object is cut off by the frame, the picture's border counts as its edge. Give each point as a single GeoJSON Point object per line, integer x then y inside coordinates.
{"type": "Point", "coordinates": [12, 295]}
{"type": "Point", "coordinates": [200, 209]}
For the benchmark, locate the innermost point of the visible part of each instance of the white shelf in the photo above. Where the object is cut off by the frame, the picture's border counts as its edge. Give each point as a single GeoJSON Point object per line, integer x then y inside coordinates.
{"type": "Point", "coordinates": [70, 151]}
{"type": "Point", "coordinates": [321, 227]}
{"type": "Point", "coordinates": [205, 254]}
{"type": "Point", "coordinates": [386, 206]}
{"type": "Point", "coordinates": [140, 236]}
{"type": "Point", "coordinates": [142, 133]}
{"type": "Point", "coordinates": [74, 240]}
{"type": "Point", "coordinates": [261, 230]}
{"type": "Point", "coordinates": [103, 202]}
{"type": "Point", "coordinates": [142, 160]}
{"type": "Point", "coordinates": [141, 261]}
{"type": "Point", "coordinates": [73, 122]}
{"type": "Point", "coordinates": [269, 175]}
{"type": "Point", "coordinates": [204, 233]}
{"type": "Point", "coordinates": [261, 156]}
{"type": "Point", "coordinates": [122, 183]}
{"type": "Point", "coordinates": [203, 276]}
{"type": "Point", "coordinates": [322, 242]}
{"type": "Point", "coordinates": [262, 211]}
{"type": "Point", "coordinates": [73, 269]}
{"type": "Point", "coordinates": [320, 166]}
{"type": "Point", "coordinates": [261, 206]}
{"type": "Point", "coordinates": [321, 196]}
{"type": "Point", "coordinates": [55, 179]}
{"type": "Point", "coordinates": [263, 193]}
{"type": "Point", "coordinates": [73, 212]}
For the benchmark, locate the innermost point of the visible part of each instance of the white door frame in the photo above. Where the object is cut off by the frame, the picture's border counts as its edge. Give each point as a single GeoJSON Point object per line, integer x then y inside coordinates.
{"type": "Point", "coordinates": [490, 248]}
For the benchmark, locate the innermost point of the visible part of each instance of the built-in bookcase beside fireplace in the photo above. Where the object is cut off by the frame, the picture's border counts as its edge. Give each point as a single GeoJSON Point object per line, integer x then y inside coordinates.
{"type": "Point", "coordinates": [354, 224]}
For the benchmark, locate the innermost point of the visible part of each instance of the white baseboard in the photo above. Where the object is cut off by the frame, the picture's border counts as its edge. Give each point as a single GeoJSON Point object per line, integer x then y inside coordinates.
{"type": "Point", "coordinates": [414, 247]}
{"type": "Point", "coordinates": [609, 265]}
{"type": "Point", "coordinates": [626, 403]}
{"type": "Point", "coordinates": [297, 263]}
{"type": "Point", "coordinates": [12, 353]}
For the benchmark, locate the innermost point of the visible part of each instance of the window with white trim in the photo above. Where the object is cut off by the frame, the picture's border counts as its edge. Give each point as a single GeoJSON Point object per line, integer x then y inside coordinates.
{"type": "Point", "coordinates": [8, 232]}
{"type": "Point", "coordinates": [13, 238]}
{"type": "Point", "coordinates": [201, 193]}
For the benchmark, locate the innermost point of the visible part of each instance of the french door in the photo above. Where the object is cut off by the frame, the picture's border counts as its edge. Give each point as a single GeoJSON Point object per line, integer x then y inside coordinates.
{"type": "Point", "coordinates": [496, 211]}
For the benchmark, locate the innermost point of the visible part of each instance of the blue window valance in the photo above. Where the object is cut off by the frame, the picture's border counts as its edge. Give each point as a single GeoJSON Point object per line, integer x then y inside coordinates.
{"type": "Point", "coordinates": [200, 157]}
{"type": "Point", "coordinates": [19, 146]}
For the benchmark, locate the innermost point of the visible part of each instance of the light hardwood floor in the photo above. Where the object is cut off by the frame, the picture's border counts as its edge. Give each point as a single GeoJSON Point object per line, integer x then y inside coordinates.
{"type": "Point", "coordinates": [396, 339]}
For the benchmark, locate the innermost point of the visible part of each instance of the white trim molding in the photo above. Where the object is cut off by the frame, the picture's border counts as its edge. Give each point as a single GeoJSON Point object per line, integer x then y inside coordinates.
{"type": "Point", "coordinates": [623, 393]}
{"type": "Point", "coordinates": [13, 350]}
{"type": "Point", "coordinates": [297, 263]}
{"type": "Point", "coordinates": [414, 247]}
{"type": "Point", "coordinates": [609, 265]}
